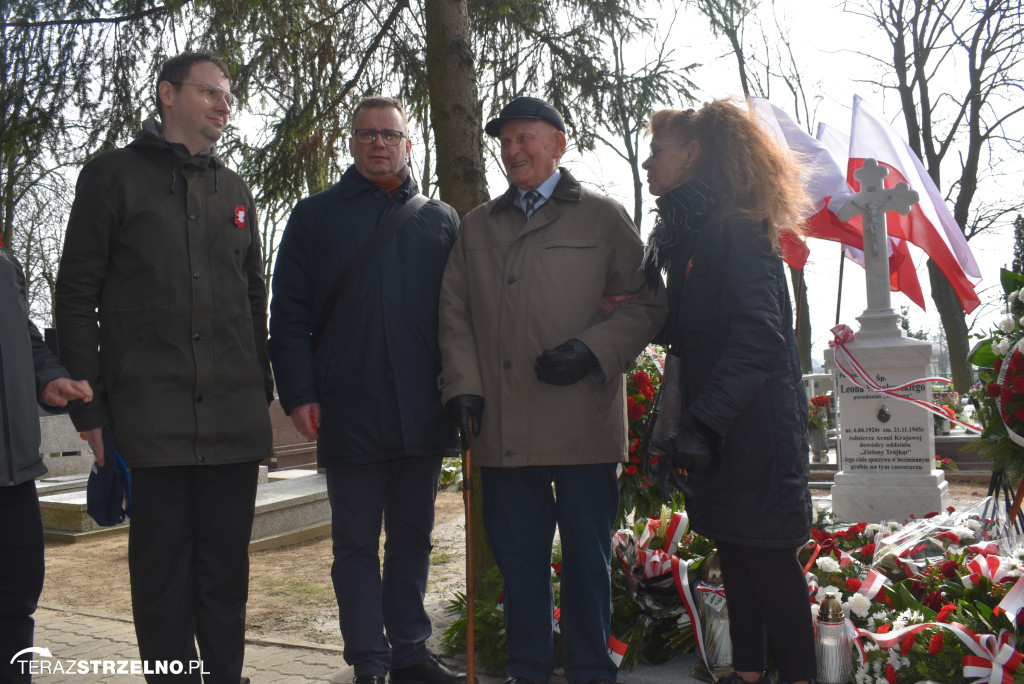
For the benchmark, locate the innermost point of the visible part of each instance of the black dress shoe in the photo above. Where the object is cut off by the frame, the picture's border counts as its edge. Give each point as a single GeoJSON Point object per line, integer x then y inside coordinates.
{"type": "Point", "coordinates": [433, 670]}
{"type": "Point", "coordinates": [519, 680]}
{"type": "Point", "coordinates": [369, 679]}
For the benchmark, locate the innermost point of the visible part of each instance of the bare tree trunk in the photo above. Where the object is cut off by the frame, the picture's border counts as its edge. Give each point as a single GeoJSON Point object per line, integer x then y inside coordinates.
{"type": "Point", "coordinates": [455, 109]}
{"type": "Point", "coordinates": [954, 323]}
{"type": "Point", "coordinates": [803, 318]}
{"type": "Point", "coordinates": [455, 113]}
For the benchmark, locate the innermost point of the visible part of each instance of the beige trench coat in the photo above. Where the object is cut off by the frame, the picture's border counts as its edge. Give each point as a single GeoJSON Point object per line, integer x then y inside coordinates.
{"type": "Point", "coordinates": [514, 287]}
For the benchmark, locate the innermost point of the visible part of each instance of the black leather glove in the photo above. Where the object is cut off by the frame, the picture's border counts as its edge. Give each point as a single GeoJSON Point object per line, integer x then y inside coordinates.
{"type": "Point", "coordinates": [466, 410]}
{"type": "Point", "coordinates": [566, 364]}
{"type": "Point", "coordinates": [694, 447]}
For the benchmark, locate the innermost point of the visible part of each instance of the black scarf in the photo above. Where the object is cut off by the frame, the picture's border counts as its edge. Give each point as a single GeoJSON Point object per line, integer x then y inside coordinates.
{"type": "Point", "coordinates": [681, 212]}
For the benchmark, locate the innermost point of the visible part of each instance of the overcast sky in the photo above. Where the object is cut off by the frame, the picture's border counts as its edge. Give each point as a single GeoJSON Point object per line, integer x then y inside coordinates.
{"type": "Point", "coordinates": [825, 40]}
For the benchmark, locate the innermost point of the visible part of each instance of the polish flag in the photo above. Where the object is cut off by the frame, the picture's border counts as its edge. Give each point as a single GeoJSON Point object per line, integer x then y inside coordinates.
{"type": "Point", "coordinates": [902, 271]}
{"type": "Point", "coordinates": [823, 162]}
{"type": "Point", "coordinates": [929, 225]}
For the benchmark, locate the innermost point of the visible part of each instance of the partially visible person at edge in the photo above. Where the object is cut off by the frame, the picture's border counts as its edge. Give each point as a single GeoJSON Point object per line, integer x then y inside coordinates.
{"type": "Point", "coordinates": [724, 189]}
{"type": "Point", "coordinates": [29, 372]}
{"type": "Point", "coordinates": [532, 360]}
{"type": "Point", "coordinates": [366, 389]}
{"type": "Point", "coordinates": [161, 305]}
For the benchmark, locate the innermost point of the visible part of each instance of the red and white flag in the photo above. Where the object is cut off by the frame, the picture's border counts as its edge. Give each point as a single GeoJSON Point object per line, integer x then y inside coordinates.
{"type": "Point", "coordinates": [902, 271]}
{"type": "Point", "coordinates": [929, 225]}
{"type": "Point", "coordinates": [823, 162]}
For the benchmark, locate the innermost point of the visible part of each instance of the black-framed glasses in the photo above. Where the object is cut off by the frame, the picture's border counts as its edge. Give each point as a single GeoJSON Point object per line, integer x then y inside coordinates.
{"type": "Point", "coordinates": [366, 136]}
{"type": "Point", "coordinates": [211, 93]}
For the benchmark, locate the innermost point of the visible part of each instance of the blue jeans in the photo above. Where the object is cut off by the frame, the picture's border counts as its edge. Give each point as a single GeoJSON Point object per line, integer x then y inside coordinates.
{"type": "Point", "coordinates": [372, 604]}
{"type": "Point", "coordinates": [520, 511]}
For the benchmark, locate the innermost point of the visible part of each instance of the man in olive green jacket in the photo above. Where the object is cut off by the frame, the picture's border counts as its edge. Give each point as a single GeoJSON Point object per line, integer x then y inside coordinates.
{"type": "Point", "coordinates": [531, 357]}
{"type": "Point", "coordinates": [161, 306]}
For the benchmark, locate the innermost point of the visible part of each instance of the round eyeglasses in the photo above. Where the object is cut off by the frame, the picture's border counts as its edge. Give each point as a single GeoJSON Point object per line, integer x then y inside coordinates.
{"type": "Point", "coordinates": [366, 136]}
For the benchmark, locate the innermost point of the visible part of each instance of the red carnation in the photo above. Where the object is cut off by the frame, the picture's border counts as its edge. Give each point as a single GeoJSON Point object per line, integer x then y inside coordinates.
{"type": "Point", "coordinates": [993, 389]}
{"type": "Point", "coordinates": [884, 629]}
{"type": "Point", "coordinates": [948, 569]}
{"type": "Point", "coordinates": [908, 643]}
{"type": "Point", "coordinates": [932, 514]}
{"type": "Point", "coordinates": [853, 584]}
{"type": "Point", "coordinates": [653, 460]}
{"type": "Point", "coordinates": [631, 470]}
{"type": "Point", "coordinates": [867, 550]}
{"type": "Point", "coordinates": [1018, 384]}
{"type": "Point", "coordinates": [946, 611]}
{"type": "Point", "coordinates": [1006, 394]}
{"type": "Point", "coordinates": [933, 600]}
{"type": "Point", "coordinates": [935, 645]}
{"type": "Point", "coordinates": [641, 379]}
{"type": "Point", "coordinates": [557, 567]}
{"type": "Point", "coordinates": [635, 411]}
{"type": "Point", "coordinates": [1017, 361]}
{"type": "Point", "coordinates": [647, 391]}
{"type": "Point", "coordinates": [950, 537]}
{"type": "Point", "coordinates": [890, 674]}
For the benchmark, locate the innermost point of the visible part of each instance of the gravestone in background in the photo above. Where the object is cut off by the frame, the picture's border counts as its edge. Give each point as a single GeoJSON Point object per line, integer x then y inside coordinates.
{"type": "Point", "coordinates": [886, 446]}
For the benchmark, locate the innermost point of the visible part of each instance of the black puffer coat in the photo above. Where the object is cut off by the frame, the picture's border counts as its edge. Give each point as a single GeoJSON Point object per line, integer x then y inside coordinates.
{"type": "Point", "coordinates": [730, 321]}
{"type": "Point", "coordinates": [374, 372]}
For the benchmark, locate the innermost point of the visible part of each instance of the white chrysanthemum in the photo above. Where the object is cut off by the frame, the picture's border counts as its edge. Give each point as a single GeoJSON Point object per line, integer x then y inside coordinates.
{"type": "Point", "coordinates": [860, 605]}
{"type": "Point", "coordinates": [827, 564]}
{"type": "Point", "coordinates": [1012, 296]}
{"type": "Point", "coordinates": [974, 524]}
{"type": "Point", "coordinates": [873, 528]}
{"type": "Point", "coordinates": [894, 659]}
{"type": "Point", "coordinates": [1007, 325]}
{"type": "Point", "coordinates": [827, 590]}
{"type": "Point", "coordinates": [964, 533]}
{"type": "Point", "coordinates": [893, 525]}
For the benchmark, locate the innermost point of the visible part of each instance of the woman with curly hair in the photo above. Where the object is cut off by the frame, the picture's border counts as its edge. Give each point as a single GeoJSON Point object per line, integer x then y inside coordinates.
{"type": "Point", "coordinates": [725, 188]}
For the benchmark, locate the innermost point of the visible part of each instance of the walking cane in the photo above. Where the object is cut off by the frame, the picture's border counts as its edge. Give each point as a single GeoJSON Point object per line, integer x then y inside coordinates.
{"type": "Point", "coordinates": [467, 495]}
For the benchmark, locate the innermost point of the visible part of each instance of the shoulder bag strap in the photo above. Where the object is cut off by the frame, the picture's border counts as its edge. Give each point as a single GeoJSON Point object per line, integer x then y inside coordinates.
{"type": "Point", "coordinates": [380, 236]}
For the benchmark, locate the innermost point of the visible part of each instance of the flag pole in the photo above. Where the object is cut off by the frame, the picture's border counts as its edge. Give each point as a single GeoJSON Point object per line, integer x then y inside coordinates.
{"type": "Point", "coordinates": [839, 290]}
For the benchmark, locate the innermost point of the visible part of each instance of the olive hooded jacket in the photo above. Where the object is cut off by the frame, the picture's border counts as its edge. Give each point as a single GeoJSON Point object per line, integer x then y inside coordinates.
{"type": "Point", "coordinates": [163, 251]}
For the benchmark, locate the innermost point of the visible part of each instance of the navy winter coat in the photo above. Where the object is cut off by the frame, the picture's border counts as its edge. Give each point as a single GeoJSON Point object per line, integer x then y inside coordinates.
{"type": "Point", "coordinates": [375, 369]}
{"type": "Point", "coordinates": [730, 320]}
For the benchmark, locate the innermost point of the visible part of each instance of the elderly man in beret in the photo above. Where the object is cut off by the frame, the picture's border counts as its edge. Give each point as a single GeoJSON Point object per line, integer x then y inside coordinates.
{"type": "Point", "coordinates": [534, 367]}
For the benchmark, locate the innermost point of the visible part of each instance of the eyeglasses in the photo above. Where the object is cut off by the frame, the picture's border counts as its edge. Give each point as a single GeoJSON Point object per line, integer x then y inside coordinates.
{"type": "Point", "coordinates": [366, 136]}
{"type": "Point", "coordinates": [657, 149]}
{"type": "Point", "coordinates": [211, 93]}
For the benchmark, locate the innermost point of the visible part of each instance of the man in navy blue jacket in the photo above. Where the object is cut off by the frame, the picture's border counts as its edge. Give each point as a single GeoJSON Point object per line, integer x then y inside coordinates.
{"type": "Point", "coordinates": [366, 388]}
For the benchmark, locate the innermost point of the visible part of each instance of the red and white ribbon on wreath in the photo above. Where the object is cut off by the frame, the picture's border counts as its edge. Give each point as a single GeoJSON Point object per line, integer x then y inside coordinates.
{"type": "Point", "coordinates": [994, 658]}
{"type": "Point", "coordinates": [993, 568]}
{"type": "Point", "coordinates": [1013, 602]}
{"type": "Point", "coordinates": [716, 589]}
{"type": "Point", "coordinates": [870, 585]}
{"type": "Point", "coordinates": [843, 334]}
{"type": "Point", "coordinates": [673, 534]}
{"type": "Point", "coordinates": [680, 569]}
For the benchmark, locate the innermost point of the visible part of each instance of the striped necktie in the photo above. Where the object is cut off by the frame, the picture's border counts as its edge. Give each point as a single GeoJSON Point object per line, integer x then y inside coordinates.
{"type": "Point", "coordinates": [530, 199]}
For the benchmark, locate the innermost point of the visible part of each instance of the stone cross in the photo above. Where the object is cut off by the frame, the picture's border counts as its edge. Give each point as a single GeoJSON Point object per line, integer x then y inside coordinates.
{"type": "Point", "coordinates": [872, 202]}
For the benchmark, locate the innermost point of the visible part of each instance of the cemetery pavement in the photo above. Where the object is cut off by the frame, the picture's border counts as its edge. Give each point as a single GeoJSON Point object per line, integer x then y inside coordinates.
{"type": "Point", "coordinates": [78, 637]}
